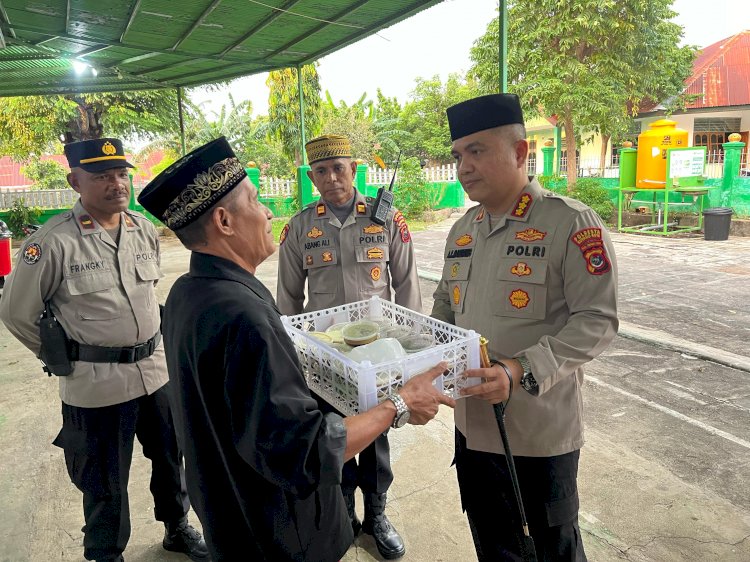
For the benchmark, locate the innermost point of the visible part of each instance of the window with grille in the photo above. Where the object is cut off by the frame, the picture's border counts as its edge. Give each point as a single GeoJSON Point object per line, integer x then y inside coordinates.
{"type": "Point", "coordinates": [564, 159]}
{"type": "Point", "coordinates": [713, 132]}
{"type": "Point", "coordinates": [531, 161]}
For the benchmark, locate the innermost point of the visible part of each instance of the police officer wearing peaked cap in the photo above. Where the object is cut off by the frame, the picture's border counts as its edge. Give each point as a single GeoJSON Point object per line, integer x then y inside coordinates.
{"type": "Point", "coordinates": [95, 267]}
{"type": "Point", "coordinates": [534, 272]}
{"type": "Point", "coordinates": [345, 257]}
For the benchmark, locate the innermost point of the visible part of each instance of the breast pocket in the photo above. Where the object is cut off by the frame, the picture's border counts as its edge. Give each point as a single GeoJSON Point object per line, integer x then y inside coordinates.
{"type": "Point", "coordinates": [94, 296]}
{"type": "Point", "coordinates": [522, 290]}
{"type": "Point", "coordinates": [148, 272]}
{"type": "Point", "coordinates": [372, 262]}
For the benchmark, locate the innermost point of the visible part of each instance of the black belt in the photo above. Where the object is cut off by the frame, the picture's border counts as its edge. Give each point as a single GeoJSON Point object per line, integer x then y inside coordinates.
{"type": "Point", "coordinates": [96, 354]}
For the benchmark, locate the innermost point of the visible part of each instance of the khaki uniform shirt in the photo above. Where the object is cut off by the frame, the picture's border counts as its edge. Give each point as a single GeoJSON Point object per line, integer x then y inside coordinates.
{"type": "Point", "coordinates": [347, 262]}
{"type": "Point", "coordinates": [101, 293]}
{"type": "Point", "coordinates": [543, 283]}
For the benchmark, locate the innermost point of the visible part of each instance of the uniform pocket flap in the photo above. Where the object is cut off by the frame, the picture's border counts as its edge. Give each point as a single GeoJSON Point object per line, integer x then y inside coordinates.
{"type": "Point", "coordinates": [148, 271]}
{"type": "Point", "coordinates": [86, 284]}
{"type": "Point", "coordinates": [372, 253]}
{"type": "Point", "coordinates": [522, 269]}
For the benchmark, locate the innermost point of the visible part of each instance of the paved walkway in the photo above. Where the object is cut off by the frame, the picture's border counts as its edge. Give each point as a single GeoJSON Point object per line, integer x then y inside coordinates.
{"type": "Point", "coordinates": [663, 475]}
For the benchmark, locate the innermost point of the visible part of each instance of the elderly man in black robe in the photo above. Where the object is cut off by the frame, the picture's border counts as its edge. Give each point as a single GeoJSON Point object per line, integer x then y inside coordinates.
{"type": "Point", "coordinates": [263, 463]}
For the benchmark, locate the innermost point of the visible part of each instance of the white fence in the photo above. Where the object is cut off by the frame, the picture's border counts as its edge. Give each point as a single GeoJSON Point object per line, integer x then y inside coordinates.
{"type": "Point", "coordinates": [380, 176]}
{"type": "Point", "coordinates": [47, 198]}
{"type": "Point", "coordinates": [277, 187]}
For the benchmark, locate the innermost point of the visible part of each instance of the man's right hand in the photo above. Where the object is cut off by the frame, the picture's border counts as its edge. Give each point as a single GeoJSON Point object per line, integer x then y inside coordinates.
{"type": "Point", "coordinates": [422, 398]}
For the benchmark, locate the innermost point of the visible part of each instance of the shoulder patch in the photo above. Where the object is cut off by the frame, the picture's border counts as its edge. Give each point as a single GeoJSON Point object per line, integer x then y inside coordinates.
{"type": "Point", "coordinates": [589, 241]}
{"type": "Point", "coordinates": [32, 253]}
{"type": "Point", "coordinates": [284, 233]}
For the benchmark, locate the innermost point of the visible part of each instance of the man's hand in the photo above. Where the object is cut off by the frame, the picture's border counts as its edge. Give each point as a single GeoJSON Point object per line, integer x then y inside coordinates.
{"type": "Point", "coordinates": [495, 387]}
{"type": "Point", "coordinates": [422, 398]}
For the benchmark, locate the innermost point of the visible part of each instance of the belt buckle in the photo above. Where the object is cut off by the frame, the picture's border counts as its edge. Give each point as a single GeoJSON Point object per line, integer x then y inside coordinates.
{"type": "Point", "coordinates": [127, 355]}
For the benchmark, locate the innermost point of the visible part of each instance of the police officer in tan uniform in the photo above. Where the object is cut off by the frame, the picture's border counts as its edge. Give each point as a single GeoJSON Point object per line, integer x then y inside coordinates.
{"type": "Point", "coordinates": [94, 267]}
{"type": "Point", "coordinates": [346, 257]}
{"type": "Point", "coordinates": [533, 272]}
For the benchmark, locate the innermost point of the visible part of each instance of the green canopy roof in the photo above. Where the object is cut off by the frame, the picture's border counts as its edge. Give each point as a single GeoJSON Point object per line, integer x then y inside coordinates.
{"type": "Point", "coordinates": [64, 46]}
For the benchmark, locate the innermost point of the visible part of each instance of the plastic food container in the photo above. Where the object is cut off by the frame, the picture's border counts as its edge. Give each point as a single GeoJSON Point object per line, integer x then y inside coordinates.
{"type": "Point", "coordinates": [378, 351]}
{"type": "Point", "coordinates": [397, 332]}
{"type": "Point", "coordinates": [417, 342]}
{"type": "Point", "coordinates": [334, 332]}
{"type": "Point", "coordinates": [352, 387]}
{"type": "Point", "coordinates": [360, 333]}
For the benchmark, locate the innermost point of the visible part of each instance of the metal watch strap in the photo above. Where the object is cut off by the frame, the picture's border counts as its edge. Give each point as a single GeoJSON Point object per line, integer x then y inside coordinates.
{"type": "Point", "coordinates": [401, 410]}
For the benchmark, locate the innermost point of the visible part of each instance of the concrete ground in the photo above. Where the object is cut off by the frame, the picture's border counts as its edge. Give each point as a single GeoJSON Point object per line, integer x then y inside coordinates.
{"type": "Point", "coordinates": [663, 475]}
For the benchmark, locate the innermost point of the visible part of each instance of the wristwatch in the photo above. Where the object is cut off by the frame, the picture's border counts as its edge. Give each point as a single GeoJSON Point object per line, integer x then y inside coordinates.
{"type": "Point", "coordinates": [528, 382]}
{"type": "Point", "coordinates": [402, 411]}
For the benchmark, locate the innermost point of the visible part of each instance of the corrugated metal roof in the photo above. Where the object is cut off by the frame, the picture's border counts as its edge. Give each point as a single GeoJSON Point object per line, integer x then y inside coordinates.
{"type": "Point", "coordinates": [145, 44]}
{"type": "Point", "coordinates": [721, 73]}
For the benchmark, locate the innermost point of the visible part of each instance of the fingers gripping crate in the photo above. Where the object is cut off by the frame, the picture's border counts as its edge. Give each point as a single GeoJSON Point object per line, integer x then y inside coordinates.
{"type": "Point", "coordinates": [353, 387]}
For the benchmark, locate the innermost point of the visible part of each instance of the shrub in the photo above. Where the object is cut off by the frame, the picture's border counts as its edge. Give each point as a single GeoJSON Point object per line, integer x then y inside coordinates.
{"type": "Point", "coordinates": [19, 215]}
{"type": "Point", "coordinates": [590, 192]}
{"type": "Point", "coordinates": [412, 194]}
{"type": "Point", "coordinates": [45, 174]}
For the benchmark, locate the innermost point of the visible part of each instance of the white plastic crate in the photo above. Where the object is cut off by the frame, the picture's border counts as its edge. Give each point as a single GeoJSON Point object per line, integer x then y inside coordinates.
{"type": "Point", "coordinates": [353, 387]}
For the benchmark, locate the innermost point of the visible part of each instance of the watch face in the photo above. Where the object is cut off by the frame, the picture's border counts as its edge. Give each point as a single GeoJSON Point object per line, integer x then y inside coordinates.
{"type": "Point", "coordinates": [402, 420]}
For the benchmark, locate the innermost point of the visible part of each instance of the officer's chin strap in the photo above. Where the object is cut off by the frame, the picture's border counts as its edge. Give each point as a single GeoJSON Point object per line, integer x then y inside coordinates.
{"type": "Point", "coordinates": [528, 550]}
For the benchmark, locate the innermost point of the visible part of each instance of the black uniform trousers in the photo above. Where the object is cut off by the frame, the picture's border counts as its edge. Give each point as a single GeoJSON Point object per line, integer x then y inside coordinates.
{"type": "Point", "coordinates": [550, 498]}
{"type": "Point", "coordinates": [372, 474]}
{"type": "Point", "coordinates": [98, 445]}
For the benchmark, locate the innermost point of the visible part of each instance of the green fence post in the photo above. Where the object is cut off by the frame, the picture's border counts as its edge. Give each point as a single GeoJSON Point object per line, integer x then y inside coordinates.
{"type": "Point", "coordinates": [254, 174]}
{"type": "Point", "coordinates": [732, 160]}
{"type": "Point", "coordinates": [304, 186]}
{"type": "Point", "coordinates": [360, 181]}
{"type": "Point", "coordinates": [548, 156]}
{"type": "Point", "coordinates": [628, 161]}
{"type": "Point", "coordinates": [131, 205]}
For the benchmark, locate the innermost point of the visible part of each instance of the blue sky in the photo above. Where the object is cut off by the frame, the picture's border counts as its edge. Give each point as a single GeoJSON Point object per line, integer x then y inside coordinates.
{"type": "Point", "coordinates": [437, 42]}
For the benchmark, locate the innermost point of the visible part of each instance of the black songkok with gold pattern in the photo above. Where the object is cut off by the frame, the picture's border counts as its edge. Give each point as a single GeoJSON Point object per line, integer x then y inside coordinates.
{"type": "Point", "coordinates": [193, 184]}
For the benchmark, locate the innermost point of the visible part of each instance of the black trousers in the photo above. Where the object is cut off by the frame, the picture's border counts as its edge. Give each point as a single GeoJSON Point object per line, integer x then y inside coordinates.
{"type": "Point", "coordinates": [98, 445]}
{"type": "Point", "coordinates": [372, 474]}
{"type": "Point", "coordinates": [550, 498]}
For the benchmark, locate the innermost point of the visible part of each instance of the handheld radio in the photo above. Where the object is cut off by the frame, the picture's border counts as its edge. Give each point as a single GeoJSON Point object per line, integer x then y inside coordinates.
{"type": "Point", "coordinates": [384, 200]}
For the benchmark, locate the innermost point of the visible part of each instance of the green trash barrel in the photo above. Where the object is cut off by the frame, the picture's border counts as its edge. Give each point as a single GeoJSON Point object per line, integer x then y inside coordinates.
{"type": "Point", "coordinates": [716, 223]}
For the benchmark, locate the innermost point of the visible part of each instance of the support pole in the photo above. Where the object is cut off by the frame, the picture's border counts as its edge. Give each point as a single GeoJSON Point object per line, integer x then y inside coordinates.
{"type": "Point", "coordinates": [503, 44]}
{"type": "Point", "coordinates": [182, 121]}
{"type": "Point", "coordinates": [301, 97]}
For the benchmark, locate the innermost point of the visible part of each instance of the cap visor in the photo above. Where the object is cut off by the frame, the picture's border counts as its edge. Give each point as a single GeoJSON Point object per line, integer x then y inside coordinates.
{"type": "Point", "coordinates": [105, 165]}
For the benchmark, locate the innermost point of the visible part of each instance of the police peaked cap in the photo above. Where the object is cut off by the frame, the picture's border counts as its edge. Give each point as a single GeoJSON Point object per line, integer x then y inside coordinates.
{"type": "Point", "coordinates": [97, 155]}
{"type": "Point", "coordinates": [193, 184]}
{"type": "Point", "coordinates": [484, 112]}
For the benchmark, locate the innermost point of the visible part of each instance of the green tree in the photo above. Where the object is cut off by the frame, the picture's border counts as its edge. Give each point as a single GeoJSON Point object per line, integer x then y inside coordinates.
{"type": "Point", "coordinates": [34, 125]}
{"type": "Point", "coordinates": [412, 196]}
{"type": "Point", "coordinates": [283, 107]}
{"type": "Point", "coordinates": [45, 174]}
{"type": "Point", "coordinates": [588, 62]}
{"type": "Point", "coordinates": [424, 116]}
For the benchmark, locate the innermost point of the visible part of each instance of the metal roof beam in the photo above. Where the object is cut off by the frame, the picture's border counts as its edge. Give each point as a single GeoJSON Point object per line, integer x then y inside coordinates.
{"type": "Point", "coordinates": [101, 41]}
{"type": "Point", "coordinates": [277, 13]}
{"type": "Point", "coordinates": [226, 77]}
{"type": "Point", "coordinates": [322, 26]}
{"type": "Point", "coordinates": [133, 13]}
{"type": "Point", "coordinates": [92, 50]}
{"type": "Point", "coordinates": [4, 17]}
{"type": "Point", "coordinates": [197, 22]}
{"type": "Point", "coordinates": [37, 56]}
{"type": "Point", "coordinates": [67, 15]}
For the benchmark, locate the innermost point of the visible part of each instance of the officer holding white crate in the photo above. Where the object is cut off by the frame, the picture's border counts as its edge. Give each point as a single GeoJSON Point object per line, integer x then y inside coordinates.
{"type": "Point", "coordinates": [346, 257]}
{"type": "Point", "coordinates": [535, 273]}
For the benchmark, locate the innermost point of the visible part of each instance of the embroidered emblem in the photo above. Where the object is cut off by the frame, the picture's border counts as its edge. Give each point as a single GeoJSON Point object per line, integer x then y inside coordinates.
{"type": "Point", "coordinates": [308, 259]}
{"type": "Point", "coordinates": [454, 269]}
{"type": "Point", "coordinates": [320, 209]}
{"type": "Point", "coordinates": [32, 253]}
{"type": "Point", "coordinates": [530, 235]}
{"type": "Point", "coordinates": [315, 233]}
{"type": "Point", "coordinates": [284, 233]}
{"type": "Point", "coordinates": [464, 240]}
{"type": "Point", "coordinates": [520, 269]}
{"type": "Point", "coordinates": [375, 254]}
{"type": "Point", "coordinates": [399, 219]}
{"type": "Point", "coordinates": [589, 240]}
{"type": "Point", "coordinates": [522, 206]}
{"type": "Point", "coordinates": [327, 256]}
{"type": "Point", "coordinates": [456, 295]}
{"type": "Point", "coordinates": [361, 209]}
{"type": "Point", "coordinates": [375, 273]}
{"type": "Point", "coordinates": [480, 215]}
{"type": "Point", "coordinates": [405, 234]}
{"type": "Point", "coordinates": [86, 222]}
{"type": "Point", "coordinates": [128, 221]}
{"type": "Point", "coordinates": [372, 229]}
{"type": "Point", "coordinates": [109, 149]}
{"type": "Point", "coordinates": [519, 298]}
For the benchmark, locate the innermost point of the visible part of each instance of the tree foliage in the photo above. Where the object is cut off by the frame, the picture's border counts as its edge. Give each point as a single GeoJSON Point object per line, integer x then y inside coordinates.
{"type": "Point", "coordinates": [425, 120]}
{"type": "Point", "coordinates": [45, 174]}
{"type": "Point", "coordinates": [591, 63]}
{"type": "Point", "coordinates": [283, 107]}
{"type": "Point", "coordinates": [34, 125]}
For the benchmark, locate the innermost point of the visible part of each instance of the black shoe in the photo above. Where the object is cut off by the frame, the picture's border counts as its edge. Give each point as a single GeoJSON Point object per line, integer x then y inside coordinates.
{"type": "Point", "coordinates": [389, 542]}
{"type": "Point", "coordinates": [182, 537]}
{"type": "Point", "coordinates": [349, 500]}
